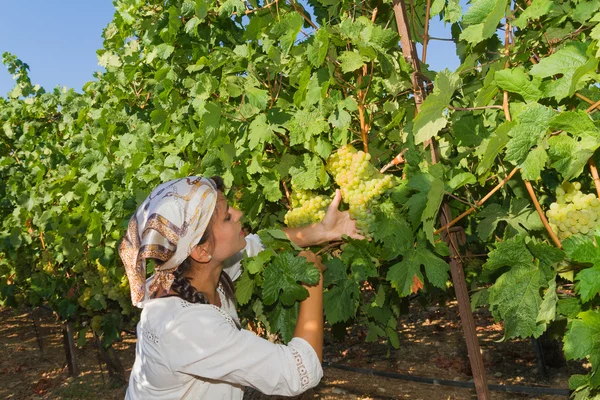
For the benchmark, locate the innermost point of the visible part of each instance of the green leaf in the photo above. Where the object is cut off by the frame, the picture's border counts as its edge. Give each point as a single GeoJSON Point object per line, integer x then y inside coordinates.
{"type": "Point", "coordinates": [317, 50]}
{"type": "Point", "coordinates": [491, 147]}
{"type": "Point", "coordinates": [256, 264]}
{"type": "Point", "coordinates": [335, 272]}
{"type": "Point", "coordinates": [521, 218]}
{"type": "Point", "coordinates": [432, 207]}
{"type": "Point", "coordinates": [533, 124]}
{"type": "Point", "coordinates": [283, 319]}
{"type": "Point", "coordinates": [482, 19]}
{"type": "Point", "coordinates": [582, 339]}
{"type": "Point", "coordinates": [431, 118]}
{"type": "Point", "coordinates": [568, 155]}
{"type": "Point", "coordinates": [515, 298]}
{"type": "Point", "coordinates": [547, 311]}
{"type": "Point", "coordinates": [257, 97]}
{"type": "Point", "coordinates": [517, 81]}
{"type": "Point", "coordinates": [588, 283]}
{"type": "Point", "coordinates": [392, 231]}
{"type": "Point", "coordinates": [534, 163]}
{"type": "Point", "coordinates": [311, 175]}
{"type": "Point", "coordinates": [341, 301]}
{"type": "Point", "coordinates": [351, 61]}
{"type": "Point", "coordinates": [357, 255]}
{"type": "Point", "coordinates": [401, 275]}
{"type": "Point", "coordinates": [287, 29]}
{"type": "Point", "coordinates": [282, 277]}
{"type": "Point", "coordinates": [164, 50]}
{"type": "Point", "coordinates": [537, 9]}
{"type": "Point", "coordinates": [567, 62]}
{"type": "Point", "coordinates": [232, 6]}
{"type": "Point", "coordinates": [244, 288]}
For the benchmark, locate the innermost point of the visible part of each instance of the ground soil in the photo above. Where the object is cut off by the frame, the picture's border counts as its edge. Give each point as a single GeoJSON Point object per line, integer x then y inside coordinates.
{"type": "Point", "coordinates": [431, 345]}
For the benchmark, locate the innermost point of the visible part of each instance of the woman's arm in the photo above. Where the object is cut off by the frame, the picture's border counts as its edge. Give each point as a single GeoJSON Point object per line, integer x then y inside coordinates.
{"type": "Point", "coordinates": [310, 317]}
{"type": "Point", "coordinates": [335, 224]}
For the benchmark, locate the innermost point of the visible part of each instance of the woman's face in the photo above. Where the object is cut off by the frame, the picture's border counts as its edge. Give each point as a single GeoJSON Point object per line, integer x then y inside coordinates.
{"type": "Point", "coordinates": [226, 229]}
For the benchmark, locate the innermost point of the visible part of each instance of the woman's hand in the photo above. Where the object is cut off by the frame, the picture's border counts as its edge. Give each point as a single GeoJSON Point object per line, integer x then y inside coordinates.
{"type": "Point", "coordinates": [337, 223]}
{"type": "Point", "coordinates": [313, 258]}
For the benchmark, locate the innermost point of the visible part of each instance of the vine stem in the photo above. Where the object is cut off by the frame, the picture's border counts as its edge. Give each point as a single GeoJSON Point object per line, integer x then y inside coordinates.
{"type": "Point", "coordinates": [540, 212]}
{"type": "Point", "coordinates": [426, 32]}
{"type": "Point", "coordinates": [287, 194]}
{"type": "Point", "coordinates": [329, 246]}
{"type": "Point", "coordinates": [593, 107]}
{"type": "Point", "coordinates": [475, 108]}
{"type": "Point", "coordinates": [479, 203]}
{"type": "Point", "coordinates": [299, 11]}
{"type": "Point", "coordinates": [595, 176]}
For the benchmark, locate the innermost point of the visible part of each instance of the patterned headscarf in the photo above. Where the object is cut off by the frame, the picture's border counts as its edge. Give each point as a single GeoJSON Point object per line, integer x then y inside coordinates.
{"type": "Point", "coordinates": [166, 227]}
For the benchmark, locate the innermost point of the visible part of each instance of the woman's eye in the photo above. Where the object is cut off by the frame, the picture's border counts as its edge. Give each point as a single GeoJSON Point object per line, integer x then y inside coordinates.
{"type": "Point", "coordinates": [228, 217]}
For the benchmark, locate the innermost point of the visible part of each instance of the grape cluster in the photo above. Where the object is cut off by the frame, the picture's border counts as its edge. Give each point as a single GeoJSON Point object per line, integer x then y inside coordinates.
{"type": "Point", "coordinates": [360, 183]}
{"type": "Point", "coordinates": [307, 208]}
{"type": "Point", "coordinates": [573, 212]}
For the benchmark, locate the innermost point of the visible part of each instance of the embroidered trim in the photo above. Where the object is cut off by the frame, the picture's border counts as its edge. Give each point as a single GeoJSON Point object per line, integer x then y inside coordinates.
{"type": "Point", "coordinates": [150, 336]}
{"type": "Point", "coordinates": [223, 313]}
{"type": "Point", "coordinates": [304, 380]}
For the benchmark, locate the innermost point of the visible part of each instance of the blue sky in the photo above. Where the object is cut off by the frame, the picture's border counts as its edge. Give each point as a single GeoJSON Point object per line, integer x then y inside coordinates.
{"type": "Point", "coordinates": [59, 39]}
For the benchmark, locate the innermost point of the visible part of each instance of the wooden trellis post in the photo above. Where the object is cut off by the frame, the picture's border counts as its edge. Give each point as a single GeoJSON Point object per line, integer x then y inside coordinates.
{"type": "Point", "coordinates": [458, 277]}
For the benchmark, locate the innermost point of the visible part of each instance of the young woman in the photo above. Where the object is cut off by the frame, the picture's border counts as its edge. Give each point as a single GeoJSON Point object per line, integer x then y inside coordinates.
{"type": "Point", "coordinates": [190, 344]}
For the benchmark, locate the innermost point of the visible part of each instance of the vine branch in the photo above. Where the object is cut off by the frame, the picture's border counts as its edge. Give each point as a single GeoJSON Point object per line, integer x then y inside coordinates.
{"type": "Point", "coordinates": [479, 203]}
{"type": "Point", "coordinates": [595, 176]}
{"type": "Point", "coordinates": [540, 212]}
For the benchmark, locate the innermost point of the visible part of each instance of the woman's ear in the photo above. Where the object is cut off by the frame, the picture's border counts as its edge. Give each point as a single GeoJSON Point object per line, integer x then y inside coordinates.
{"type": "Point", "coordinates": [200, 254]}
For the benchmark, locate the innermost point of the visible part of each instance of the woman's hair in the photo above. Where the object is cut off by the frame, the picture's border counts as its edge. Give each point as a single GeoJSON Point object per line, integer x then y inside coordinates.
{"type": "Point", "coordinates": [182, 285]}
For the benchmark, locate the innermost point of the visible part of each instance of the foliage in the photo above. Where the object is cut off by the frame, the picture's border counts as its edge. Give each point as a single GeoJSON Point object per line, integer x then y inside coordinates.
{"type": "Point", "coordinates": [262, 92]}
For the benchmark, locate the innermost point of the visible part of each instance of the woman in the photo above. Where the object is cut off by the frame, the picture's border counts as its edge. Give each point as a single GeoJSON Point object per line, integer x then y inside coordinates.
{"type": "Point", "coordinates": [190, 344]}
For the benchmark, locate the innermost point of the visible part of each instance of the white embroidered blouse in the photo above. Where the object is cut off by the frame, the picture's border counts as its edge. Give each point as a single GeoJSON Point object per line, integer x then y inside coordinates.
{"type": "Point", "coordinates": [195, 351]}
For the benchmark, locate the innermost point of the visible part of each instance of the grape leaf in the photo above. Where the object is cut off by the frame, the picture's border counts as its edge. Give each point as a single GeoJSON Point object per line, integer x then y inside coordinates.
{"type": "Point", "coordinates": [351, 61]}
{"type": "Point", "coordinates": [534, 164]}
{"type": "Point", "coordinates": [401, 275]}
{"type": "Point", "coordinates": [537, 9]}
{"type": "Point", "coordinates": [283, 319]}
{"type": "Point", "coordinates": [341, 301]}
{"type": "Point", "coordinates": [431, 119]}
{"type": "Point", "coordinates": [520, 217]}
{"type": "Point", "coordinates": [517, 81]}
{"type": "Point", "coordinates": [533, 124]}
{"type": "Point", "coordinates": [432, 207]}
{"type": "Point", "coordinates": [357, 255]}
{"type": "Point", "coordinates": [281, 279]}
{"type": "Point", "coordinates": [547, 311]}
{"type": "Point", "coordinates": [481, 19]}
{"type": "Point", "coordinates": [582, 339]}
{"type": "Point", "coordinates": [567, 62]}
{"type": "Point", "coordinates": [491, 147]}
{"type": "Point", "coordinates": [244, 287]}
{"type": "Point", "coordinates": [515, 298]}
{"type": "Point", "coordinates": [335, 272]}
{"type": "Point", "coordinates": [311, 175]}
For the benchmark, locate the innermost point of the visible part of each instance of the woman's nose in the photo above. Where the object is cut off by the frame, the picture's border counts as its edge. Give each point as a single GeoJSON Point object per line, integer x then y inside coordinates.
{"type": "Point", "coordinates": [238, 214]}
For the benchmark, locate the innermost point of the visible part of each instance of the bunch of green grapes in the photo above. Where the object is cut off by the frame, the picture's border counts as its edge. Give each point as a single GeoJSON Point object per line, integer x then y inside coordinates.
{"type": "Point", "coordinates": [307, 208]}
{"type": "Point", "coordinates": [360, 182]}
{"type": "Point", "coordinates": [573, 212]}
